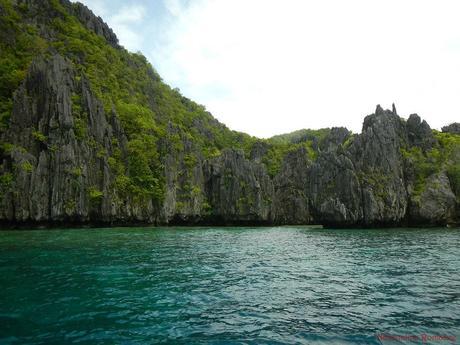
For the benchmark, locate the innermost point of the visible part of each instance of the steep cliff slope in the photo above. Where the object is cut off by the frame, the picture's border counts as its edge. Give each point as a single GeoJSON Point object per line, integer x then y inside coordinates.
{"type": "Point", "coordinates": [91, 135]}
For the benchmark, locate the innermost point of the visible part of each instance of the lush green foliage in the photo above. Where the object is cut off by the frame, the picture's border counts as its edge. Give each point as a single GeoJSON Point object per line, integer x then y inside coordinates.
{"type": "Point", "coordinates": [19, 43]}
{"type": "Point", "coordinates": [301, 136]}
{"type": "Point", "coordinates": [39, 136]}
{"type": "Point", "coordinates": [376, 180]}
{"type": "Point", "coordinates": [146, 106]}
{"type": "Point", "coordinates": [95, 196]}
{"type": "Point", "coordinates": [445, 155]}
{"type": "Point", "coordinates": [280, 145]}
{"type": "Point", "coordinates": [149, 110]}
{"type": "Point", "coordinates": [273, 159]}
{"type": "Point", "coordinates": [156, 119]}
{"type": "Point", "coordinates": [6, 181]}
{"type": "Point", "coordinates": [450, 144]}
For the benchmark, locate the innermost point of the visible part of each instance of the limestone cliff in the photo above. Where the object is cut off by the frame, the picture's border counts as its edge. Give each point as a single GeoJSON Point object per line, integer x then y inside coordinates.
{"type": "Point", "coordinates": [91, 135]}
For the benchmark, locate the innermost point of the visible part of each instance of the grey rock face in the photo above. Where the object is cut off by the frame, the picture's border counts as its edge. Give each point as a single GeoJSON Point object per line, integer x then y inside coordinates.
{"type": "Point", "coordinates": [377, 156]}
{"type": "Point", "coordinates": [291, 201]}
{"type": "Point", "coordinates": [44, 142]}
{"type": "Point", "coordinates": [436, 204]}
{"type": "Point", "coordinates": [91, 22]}
{"type": "Point", "coordinates": [65, 159]}
{"type": "Point", "coordinates": [336, 137]}
{"type": "Point", "coordinates": [60, 141]}
{"type": "Point", "coordinates": [419, 133]}
{"type": "Point", "coordinates": [237, 189]}
{"type": "Point", "coordinates": [59, 177]}
{"type": "Point", "coordinates": [335, 191]}
{"type": "Point", "coordinates": [42, 11]}
{"type": "Point", "coordinates": [185, 201]}
{"type": "Point", "coordinates": [453, 128]}
{"type": "Point", "coordinates": [360, 180]}
{"type": "Point", "coordinates": [258, 151]}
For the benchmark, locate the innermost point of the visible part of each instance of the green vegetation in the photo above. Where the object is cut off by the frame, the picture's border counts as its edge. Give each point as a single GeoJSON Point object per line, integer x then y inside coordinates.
{"type": "Point", "coordinates": [129, 88]}
{"type": "Point", "coordinates": [453, 172]}
{"type": "Point", "coordinates": [70, 206]}
{"type": "Point", "coordinates": [278, 149]}
{"type": "Point", "coordinates": [95, 196]}
{"type": "Point", "coordinates": [122, 81]}
{"type": "Point", "coordinates": [281, 145]}
{"type": "Point", "coordinates": [135, 118]}
{"type": "Point", "coordinates": [6, 182]}
{"type": "Point", "coordinates": [450, 144]}
{"type": "Point", "coordinates": [6, 148]}
{"type": "Point", "coordinates": [80, 118]}
{"type": "Point", "coordinates": [301, 136]}
{"type": "Point", "coordinates": [76, 172]}
{"type": "Point", "coordinates": [145, 105]}
{"type": "Point", "coordinates": [349, 141]}
{"type": "Point", "coordinates": [376, 180]}
{"type": "Point", "coordinates": [19, 43]}
{"type": "Point", "coordinates": [156, 119]}
{"type": "Point", "coordinates": [39, 136]}
{"type": "Point", "coordinates": [144, 168]}
{"type": "Point", "coordinates": [445, 155]}
{"type": "Point", "coordinates": [27, 167]}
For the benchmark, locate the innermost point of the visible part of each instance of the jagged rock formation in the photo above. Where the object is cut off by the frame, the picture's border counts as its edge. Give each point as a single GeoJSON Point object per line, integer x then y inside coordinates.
{"type": "Point", "coordinates": [73, 154]}
{"type": "Point", "coordinates": [453, 128]}
{"type": "Point", "coordinates": [93, 23]}
{"type": "Point", "coordinates": [291, 201]}
{"type": "Point", "coordinates": [63, 170]}
{"type": "Point", "coordinates": [237, 189]}
{"type": "Point", "coordinates": [436, 204]}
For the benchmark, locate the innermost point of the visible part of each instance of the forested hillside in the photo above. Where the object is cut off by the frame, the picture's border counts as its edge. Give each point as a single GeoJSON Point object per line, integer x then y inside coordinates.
{"type": "Point", "coordinates": [90, 134]}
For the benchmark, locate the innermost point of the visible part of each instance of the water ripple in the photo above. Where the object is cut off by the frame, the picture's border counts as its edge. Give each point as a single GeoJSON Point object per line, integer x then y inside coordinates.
{"type": "Point", "coordinates": [228, 285]}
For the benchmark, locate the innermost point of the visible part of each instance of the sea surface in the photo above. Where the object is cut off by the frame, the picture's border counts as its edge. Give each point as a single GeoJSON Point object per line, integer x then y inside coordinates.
{"type": "Point", "coordinates": [274, 285]}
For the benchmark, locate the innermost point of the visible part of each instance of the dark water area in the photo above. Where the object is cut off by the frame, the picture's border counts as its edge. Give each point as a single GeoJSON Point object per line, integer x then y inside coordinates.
{"type": "Point", "coordinates": [278, 285]}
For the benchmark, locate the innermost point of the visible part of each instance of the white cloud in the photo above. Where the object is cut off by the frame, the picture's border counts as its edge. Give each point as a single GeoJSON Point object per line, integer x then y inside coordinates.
{"type": "Point", "coordinates": [267, 67]}
{"type": "Point", "coordinates": [124, 21]}
{"type": "Point", "coordinates": [128, 15]}
{"type": "Point", "coordinates": [174, 7]}
{"type": "Point", "coordinates": [292, 64]}
{"type": "Point", "coordinates": [97, 6]}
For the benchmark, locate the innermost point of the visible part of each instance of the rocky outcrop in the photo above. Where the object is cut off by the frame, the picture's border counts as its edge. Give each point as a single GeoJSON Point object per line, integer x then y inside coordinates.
{"type": "Point", "coordinates": [184, 202]}
{"type": "Point", "coordinates": [453, 128]}
{"type": "Point", "coordinates": [377, 156]}
{"type": "Point", "coordinates": [291, 199]}
{"type": "Point", "coordinates": [60, 178]}
{"type": "Point", "coordinates": [419, 133]}
{"type": "Point", "coordinates": [67, 158]}
{"type": "Point", "coordinates": [41, 13]}
{"type": "Point", "coordinates": [91, 22]}
{"type": "Point", "coordinates": [335, 191]}
{"type": "Point", "coordinates": [238, 190]}
{"type": "Point", "coordinates": [435, 205]}
{"type": "Point", "coordinates": [353, 180]}
{"type": "Point", "coordinates": [361, 180]}
{"type": "Point", "coordinates": [335, 138]}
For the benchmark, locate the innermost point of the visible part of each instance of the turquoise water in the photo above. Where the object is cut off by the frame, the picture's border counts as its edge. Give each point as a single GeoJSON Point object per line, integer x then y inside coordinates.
{"type": "Point", "coordinates": [228, 285]}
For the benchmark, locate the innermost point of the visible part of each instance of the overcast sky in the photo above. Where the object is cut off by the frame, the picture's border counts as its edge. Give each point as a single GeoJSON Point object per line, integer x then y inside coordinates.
{"type": "Point", "coordinates": [269, 67]}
